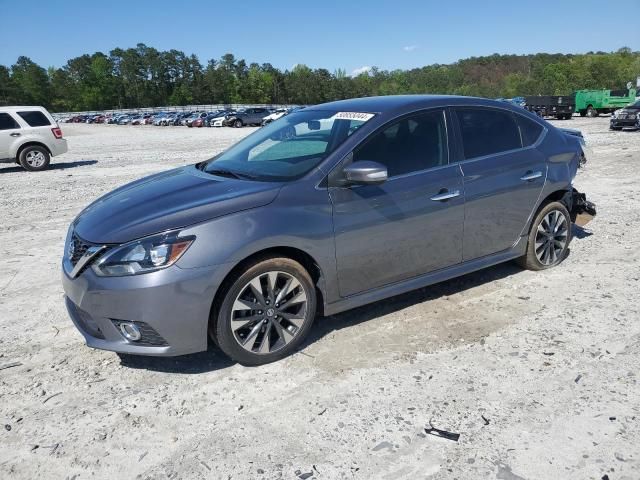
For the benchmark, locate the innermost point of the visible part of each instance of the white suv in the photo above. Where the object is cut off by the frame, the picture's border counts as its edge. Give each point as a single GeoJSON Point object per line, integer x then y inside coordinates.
{"type": "Point", "coordinates": [29, 136]}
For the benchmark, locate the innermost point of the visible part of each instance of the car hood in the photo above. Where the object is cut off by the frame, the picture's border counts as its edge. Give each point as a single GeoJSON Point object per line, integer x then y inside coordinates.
{"type": "Point", "coordinates": [167, 201]}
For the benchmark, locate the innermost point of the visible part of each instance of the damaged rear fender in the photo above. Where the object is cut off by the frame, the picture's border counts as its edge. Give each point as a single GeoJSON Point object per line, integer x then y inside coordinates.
{"type": "Point", "coordinates": [582, 211]}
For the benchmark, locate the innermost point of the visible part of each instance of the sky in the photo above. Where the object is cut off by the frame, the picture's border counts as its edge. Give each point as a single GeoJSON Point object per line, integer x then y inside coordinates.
{"type": "Point", "coordinates": [349, 34]}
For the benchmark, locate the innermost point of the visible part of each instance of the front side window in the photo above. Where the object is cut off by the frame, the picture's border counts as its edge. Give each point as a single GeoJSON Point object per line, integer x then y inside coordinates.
{"type": "Point", "coordinates": [35, 118]}
{"type": "Point", "coordinates": [409, 145]}
{"type": "Point", "coordinates": [287, 149]}
{"type": "Point", "coordinates": [487, 131]}
{"type": "Point", "coordinates": [7, 122]}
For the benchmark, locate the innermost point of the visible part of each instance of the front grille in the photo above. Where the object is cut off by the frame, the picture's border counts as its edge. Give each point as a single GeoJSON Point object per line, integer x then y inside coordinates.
{"type": "Point", "coordinates": [149, 337]}
{"type": "Point", "coordinates": [78, 248]}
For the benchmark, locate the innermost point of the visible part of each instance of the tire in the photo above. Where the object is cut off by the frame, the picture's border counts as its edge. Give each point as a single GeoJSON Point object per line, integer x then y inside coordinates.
{"type": "Point", "coordinates": [34, 158]}
{"type": "Point", "coordinates": [538, 256]}
{"type": "Point", "coordinates": [238, 123]}
{"type": "Point", "coordinates": [285, 333]}
{"type": "Point", "coordinates": [591, 112]}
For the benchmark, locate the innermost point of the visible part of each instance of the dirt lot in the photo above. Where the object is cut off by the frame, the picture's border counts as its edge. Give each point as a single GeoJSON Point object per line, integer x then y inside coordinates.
{"type": "Point", "coordinates": [538, 372]}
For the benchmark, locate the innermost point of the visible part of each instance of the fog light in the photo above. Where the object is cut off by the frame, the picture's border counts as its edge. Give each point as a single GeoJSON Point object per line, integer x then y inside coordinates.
{"type": "Point", "coordinates": [130, 331]}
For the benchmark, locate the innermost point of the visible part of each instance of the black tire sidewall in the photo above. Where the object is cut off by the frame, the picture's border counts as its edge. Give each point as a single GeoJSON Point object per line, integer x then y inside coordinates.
{"type": "Point", "coordinates": [237, 124]}
{"type": "Point", "coordinates": [532, 259]}
{"type": "Point", "coordinates": [221, 329]}
{"type": "Point", "coordinates": [23, 158]}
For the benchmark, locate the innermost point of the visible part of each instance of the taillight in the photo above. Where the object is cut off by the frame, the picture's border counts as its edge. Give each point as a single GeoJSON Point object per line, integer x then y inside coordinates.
{"type": "Point", "coordinates": [57, 132]}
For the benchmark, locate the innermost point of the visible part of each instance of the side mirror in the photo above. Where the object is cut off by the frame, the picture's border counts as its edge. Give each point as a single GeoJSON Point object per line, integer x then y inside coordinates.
{"type": "Point", "coordinates": [365, 172]}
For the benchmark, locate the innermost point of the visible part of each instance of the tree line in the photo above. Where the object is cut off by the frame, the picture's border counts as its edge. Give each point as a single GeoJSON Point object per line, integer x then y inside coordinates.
{"type": "Point", "coordinates": [146, 77]}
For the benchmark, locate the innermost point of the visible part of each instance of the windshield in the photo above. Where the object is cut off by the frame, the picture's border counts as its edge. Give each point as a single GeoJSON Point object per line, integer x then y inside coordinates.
{"type": "Point", "coordinates": [289, 147]}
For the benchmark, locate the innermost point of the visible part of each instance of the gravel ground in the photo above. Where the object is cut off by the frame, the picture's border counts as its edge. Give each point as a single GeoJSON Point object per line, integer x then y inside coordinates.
{"type": "Point", "coordinates": [537, 372]}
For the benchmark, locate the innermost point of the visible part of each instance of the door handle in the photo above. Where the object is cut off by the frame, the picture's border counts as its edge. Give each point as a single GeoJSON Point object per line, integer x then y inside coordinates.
{"type": "Point", "coordinates": [527, 177]}
{"type": "Point", "coordinates": [445, 195]}
{"type": "Point", "coordinates": [14, 134]}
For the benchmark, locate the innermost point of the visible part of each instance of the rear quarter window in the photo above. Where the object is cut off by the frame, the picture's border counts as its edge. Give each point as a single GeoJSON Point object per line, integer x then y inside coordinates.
{"type": "Point", "coordinates": [7, 122]}
{"type": "Point", "coordinates": [530, 130]}
{"type": "Point", "coordinates": [35, 118]}
{"type": "Point", "coordinates": [487, 131]}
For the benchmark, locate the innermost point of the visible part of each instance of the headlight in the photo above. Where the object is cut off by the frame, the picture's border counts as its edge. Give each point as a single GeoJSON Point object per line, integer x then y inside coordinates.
{"type": "Point", "coordinates": [143, 256]}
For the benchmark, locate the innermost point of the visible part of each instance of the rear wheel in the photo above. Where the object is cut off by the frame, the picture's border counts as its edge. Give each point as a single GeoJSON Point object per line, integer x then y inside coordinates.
{"type": "Point", "coordinates": [266, 312]}
{"type": "Point", "coordinates": [34, 158]}
{"type": "Point", "coordinates": [549, 238]}
{"type": "Point", "coordinates": [591, 112]}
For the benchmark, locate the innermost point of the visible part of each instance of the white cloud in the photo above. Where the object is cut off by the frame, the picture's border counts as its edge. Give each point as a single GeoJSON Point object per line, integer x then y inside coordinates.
{"type": "Point", "coordinates": [360, 71]}
{"type": "Point", "coordinates": [409, 48]}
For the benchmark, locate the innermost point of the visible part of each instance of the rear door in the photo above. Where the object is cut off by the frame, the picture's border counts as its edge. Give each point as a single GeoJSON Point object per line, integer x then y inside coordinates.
{"type": "Point", "coordinates": [10, 131]}
{"type": "Point", "coordinates": [412, 223]}
{"type": "Point", "coordinates": [503, 176]}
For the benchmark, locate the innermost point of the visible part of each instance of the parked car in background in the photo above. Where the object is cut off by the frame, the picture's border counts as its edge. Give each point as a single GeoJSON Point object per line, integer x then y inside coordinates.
{"type": "Point", "coordinates": [627, 117]}
{"type": "Point", "coordinates": [560, 107]}
{"type": "Point", "coordinates": [279, 113]}
{"type": "Point", "coordinates": [219, 120]}
{"type": "Point", "coordinates": [325, 210]}
{"type": "Point", "coordinates": [125, 119]}
{"type": "Point", "coordinates": [211, 116]}
{"type": "Point", "coordinates": [196, 116]}
{"type": "Point", "coordinates": [592, 103]}
{"type": "Point", "coordinates": [29, 136]}
{"type": "Point", "coordinates": [250, 116]}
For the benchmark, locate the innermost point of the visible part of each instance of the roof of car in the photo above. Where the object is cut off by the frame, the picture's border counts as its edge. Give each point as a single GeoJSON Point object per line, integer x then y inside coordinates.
{"type": "Point", "coordinates": [393, 102]}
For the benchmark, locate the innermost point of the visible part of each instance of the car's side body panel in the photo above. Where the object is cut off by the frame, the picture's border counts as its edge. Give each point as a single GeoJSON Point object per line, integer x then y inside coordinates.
{"type": "Point", "coordinates": [368, 242]}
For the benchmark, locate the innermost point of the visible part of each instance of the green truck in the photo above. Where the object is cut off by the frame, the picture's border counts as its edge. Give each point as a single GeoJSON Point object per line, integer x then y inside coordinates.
{"type": "Point", "coordinates": [591, 103]}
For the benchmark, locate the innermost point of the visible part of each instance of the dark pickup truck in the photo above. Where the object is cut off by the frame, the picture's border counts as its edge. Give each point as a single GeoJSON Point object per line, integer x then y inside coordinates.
{"type": "Point", "coordinates": [561, 107]}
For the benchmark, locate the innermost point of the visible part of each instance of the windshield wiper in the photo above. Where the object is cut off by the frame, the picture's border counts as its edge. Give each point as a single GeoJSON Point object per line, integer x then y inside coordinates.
{"type": "Point", "coordinates": [223, 172]}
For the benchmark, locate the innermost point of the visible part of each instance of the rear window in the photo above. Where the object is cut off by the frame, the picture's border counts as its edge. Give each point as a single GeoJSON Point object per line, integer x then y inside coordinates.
{"type": "Point", "coordinates": [7, 122]}
{"type": "Point", "coordinates": [487, 131]}
{"type": "Point", "coordinates": [529, 130]}
{"type": "Point", "coordinates": [35, 118]}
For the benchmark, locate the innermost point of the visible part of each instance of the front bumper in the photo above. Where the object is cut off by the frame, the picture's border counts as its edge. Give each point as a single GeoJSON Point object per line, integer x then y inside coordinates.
{"type": "Point", "coordinates": [174, 303]}
{"type": "Point", "coordinates": [624, 123]}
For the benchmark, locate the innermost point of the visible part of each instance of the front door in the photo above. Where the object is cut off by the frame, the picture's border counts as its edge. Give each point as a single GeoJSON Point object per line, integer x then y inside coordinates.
{"type": "Point", "coordinates": [411, 224]}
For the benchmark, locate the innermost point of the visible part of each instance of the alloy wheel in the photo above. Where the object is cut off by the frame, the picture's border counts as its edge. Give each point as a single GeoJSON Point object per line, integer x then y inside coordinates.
{"type": "Point", "coordinates": [551, 238]}
{"type": "Point", "coordinates": [269, 312]}
{"type": "Point", "coordinates": [35, 158]}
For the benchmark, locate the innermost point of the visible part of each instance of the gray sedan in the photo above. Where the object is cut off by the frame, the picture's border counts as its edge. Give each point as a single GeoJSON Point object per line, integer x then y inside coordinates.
{"type": "Point", "coordinates": [327, 209]}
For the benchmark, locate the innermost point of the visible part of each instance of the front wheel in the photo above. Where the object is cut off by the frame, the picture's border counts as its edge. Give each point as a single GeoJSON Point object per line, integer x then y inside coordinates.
{"type": "Point", "coordinates": [592, 112]}
{"type": "Point", "coordinates": [34, 159]}
{"type": "Point", "coordinates": [237, 124]}
{"type": "Point", "coordinates": [266, 312]}
{"type": "Point", "coordinates": [549, 238]}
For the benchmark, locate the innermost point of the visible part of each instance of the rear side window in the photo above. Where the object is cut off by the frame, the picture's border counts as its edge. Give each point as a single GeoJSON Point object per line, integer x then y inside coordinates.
{"type": "Point", "coordinates": [529, 130]}
{"type": "Point", "coordinates": [486, 131]}
{"type": "Point", "coordinates": [7, 122]}
{"type": "Point", "coordinates": [415, 143]}
{"type": "Point", "coordinates": [35, 118]}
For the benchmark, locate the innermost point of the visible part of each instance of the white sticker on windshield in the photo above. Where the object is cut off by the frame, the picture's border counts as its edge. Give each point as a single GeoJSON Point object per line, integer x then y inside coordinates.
{"type": "Point", "coordinates": [363, 117]}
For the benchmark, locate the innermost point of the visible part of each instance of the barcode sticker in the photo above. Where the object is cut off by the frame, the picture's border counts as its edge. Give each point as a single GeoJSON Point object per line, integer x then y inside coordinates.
{"type": "Point", "coordinates": [363, 117]}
